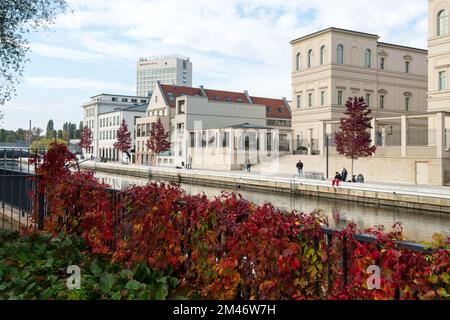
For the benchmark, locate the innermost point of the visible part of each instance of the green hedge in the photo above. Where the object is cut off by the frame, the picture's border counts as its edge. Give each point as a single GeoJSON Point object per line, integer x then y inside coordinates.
{"type": "Point", "coordinates": [35, 267]}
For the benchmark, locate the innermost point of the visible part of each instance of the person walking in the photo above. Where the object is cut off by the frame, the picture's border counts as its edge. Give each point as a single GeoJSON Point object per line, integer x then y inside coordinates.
{"type": "Point", "coordinates": [300, 168]}
{"type": "Point", "coordinates": [336, 180]}
{"type": "Point", "coordinates": [249, 165]}
{"type": "Point", "coordinates": [344, 175]}
{"type": "Point", "coordinates": [189, 163]}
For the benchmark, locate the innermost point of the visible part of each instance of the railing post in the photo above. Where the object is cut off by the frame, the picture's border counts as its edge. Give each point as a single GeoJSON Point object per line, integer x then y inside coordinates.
{"type": "Point", "coordinates": [344, 262]}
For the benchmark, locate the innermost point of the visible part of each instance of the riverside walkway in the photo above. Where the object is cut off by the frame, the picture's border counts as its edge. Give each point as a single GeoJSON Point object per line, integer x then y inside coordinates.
{"type": "Point", "coordinates": [430, 198]}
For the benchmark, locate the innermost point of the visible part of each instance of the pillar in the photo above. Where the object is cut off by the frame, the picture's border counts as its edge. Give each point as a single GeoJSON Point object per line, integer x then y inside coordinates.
{"type": "Point", "coordinates": [373, 131]}
{"type": "Point", "coordinates": [440, 134]}
{"type": "Point", "coordinates": [404, 133]}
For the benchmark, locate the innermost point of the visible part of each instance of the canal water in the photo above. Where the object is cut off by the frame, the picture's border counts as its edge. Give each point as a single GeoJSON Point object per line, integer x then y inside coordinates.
{"type": "Point", "coordinates": [418, 225]}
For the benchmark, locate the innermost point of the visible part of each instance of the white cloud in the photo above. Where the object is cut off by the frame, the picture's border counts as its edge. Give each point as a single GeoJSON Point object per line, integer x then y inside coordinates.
{"type": "Point", "coordinates": [64, 53]}
{"type": "Point", "coordinates": [78, 84]}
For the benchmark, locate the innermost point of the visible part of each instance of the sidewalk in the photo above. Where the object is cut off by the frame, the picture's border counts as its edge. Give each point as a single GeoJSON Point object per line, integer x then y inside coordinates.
{"type": "Point", "coordinates": [404, 189]}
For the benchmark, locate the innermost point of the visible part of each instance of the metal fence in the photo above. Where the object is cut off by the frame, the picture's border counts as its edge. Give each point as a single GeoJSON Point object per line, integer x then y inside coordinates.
{"type": "Point", "coordinates": [17, 182]}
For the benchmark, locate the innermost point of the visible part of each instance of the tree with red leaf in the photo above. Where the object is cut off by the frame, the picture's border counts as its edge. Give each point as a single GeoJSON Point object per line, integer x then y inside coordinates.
{"type": "Point", "coordinates": [123, 143]}
{"type": "Point", "coordinates": [159, 139]}
{"type": "Point", "coordinates": [353, 141]}
{"type": "Point", "coordinates": [86, 139]}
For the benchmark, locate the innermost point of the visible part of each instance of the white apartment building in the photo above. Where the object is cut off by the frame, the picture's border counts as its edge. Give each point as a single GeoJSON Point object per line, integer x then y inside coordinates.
{"type": "Point", "coordinates": [172, 70]}
{"type": "Point", "coordinates": [104, 103]}
{"type": "Point", "coordinates": [109, 123]}
{"type": "Point", "coordinates": [184, 110]}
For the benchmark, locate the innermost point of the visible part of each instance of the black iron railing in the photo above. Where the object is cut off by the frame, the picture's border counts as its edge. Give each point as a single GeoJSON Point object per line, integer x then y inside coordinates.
{"type": "Point", "coordinates": [19, 182]}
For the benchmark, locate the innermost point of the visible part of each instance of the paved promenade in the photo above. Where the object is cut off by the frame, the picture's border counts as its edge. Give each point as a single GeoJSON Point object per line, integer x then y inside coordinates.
{"type": "Point", "coordinates": [396, 189]}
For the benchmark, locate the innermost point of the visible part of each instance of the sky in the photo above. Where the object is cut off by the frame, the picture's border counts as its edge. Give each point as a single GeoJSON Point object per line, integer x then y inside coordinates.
{"type": "Point", "coordinates": [233, 44]}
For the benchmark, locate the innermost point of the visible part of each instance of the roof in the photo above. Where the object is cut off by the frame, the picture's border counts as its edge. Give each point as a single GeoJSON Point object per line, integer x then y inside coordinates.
{"type": "Point", "coordinates": [248, 126]}
{"type": "Point", "coordinates": [336, 30]}
{"type": "Point", "coordinates": [133, 108]}
{"type": "Point", "coordinates": [171, 92]}
{"type": "Point", "coordinates": [226, 96]}
{"type": "Point", "coordinates": [386, 44]}
{"type": "Point", "coordinates": [275, 108]}
{"type": "Point", "coordinates": [120, 95]}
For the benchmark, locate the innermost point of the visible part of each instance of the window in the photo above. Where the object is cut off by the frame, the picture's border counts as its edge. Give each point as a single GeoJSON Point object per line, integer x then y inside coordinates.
{"type": "Point", "coordinates": [340, 54]}
{"type": "Point", "coordinates": [368, 99]}
{"type": "Point", "coordinates": [156, 99]}
{"type": "Point", "coordinates": [407, 102]}
{"type": "Point", "coordinates": [382, 60]}
{"type": "Point", "coordinates": [280, 110]}
{"type": "Point", "coordinates": [239, 99]}
{"type": "Point", "coordinates": [298, 61]}
{"type": "Point", "coordinates": [442, 80]}
{"type": "Point", "coordinates": [299, 101]}
{"type": "Point", "coordinates": [382, 102]}
{"type": "Point", "coordinates": [124, 100]}
{"type": "Point", "coordinates": [134, 100]}
{"type": "Point", "coordinates": [368, 62]}
{"type": "Point", "coordinates": [310, 100]}
{"type": "Point", "coordinates": [114, 99]}
{"type": "Point", "coordinates": [407, 64]}
{"type": "Point", "coordinates": [268, 109]}
{"type": "Point", "coordinates": [322, 98]}
{"type": "Point", "coordinates": [228, 99]}
{"type": "Point", "coordinates": [339, 97]}
{"type": "Point", "coordinates": [442, 23]}
{"type": "Point", "coordinates": [310, 58]}
{"type": "Point", "coordinates": [323, 55]}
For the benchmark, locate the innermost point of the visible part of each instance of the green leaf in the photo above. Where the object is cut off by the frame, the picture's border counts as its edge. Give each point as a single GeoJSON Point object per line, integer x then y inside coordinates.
{"type": "Point", "coordinates": [107, 282]}
{"type": "Point", "coordinates": [126, 274]}
{"type": "Point", "coordinates": [95, 268]}
{"type": "Point", "coordinates": [116, 296]}
{"type": "Point", "coordinates": [133, 285]}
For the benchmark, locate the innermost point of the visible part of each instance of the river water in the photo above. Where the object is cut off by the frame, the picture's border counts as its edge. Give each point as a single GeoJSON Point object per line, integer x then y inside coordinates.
{"type": "Point", "coordinates": [418, 225]}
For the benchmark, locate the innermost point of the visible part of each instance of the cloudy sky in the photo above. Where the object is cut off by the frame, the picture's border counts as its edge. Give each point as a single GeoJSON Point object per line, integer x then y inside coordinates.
{"type": "Point", "coordinates": [233, 44]}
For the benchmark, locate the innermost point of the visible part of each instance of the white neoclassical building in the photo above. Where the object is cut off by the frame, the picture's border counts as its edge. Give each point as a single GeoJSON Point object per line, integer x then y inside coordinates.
{"type": "Point", "coordinates": [406, 89]}
{"type": "Point", "coordinates": [103, 114]}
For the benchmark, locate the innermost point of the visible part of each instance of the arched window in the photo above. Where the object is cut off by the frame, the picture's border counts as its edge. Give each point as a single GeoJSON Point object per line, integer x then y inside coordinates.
{"type": "Point", "coordinates": [323, 55]}
{"type": "Point", "coordinates": [442, 23]}
{"type": "Point", "coordinates": [340, 54]}
{"type": "Point", "coordinates": [299, 61]}
{"type": "Point", "coordinates": [368, 62]}
{"type": "Point", "coordinates": [310, 58]}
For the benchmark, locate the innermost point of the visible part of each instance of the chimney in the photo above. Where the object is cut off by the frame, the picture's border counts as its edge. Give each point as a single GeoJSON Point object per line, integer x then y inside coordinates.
{"type": "Point", "coordinates": [248, 97]}
{"type": "Point", "coordinates": [202, 90]}
{"type": "Point", "coordinates": [286, 103]}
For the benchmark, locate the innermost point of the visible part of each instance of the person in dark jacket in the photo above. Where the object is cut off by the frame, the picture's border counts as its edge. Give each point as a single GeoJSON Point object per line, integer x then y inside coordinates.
{"type": "Point", "coordinates": [344, 175]}
{"type": "Point", "coordinates": [300, 168]}
{"type": "Point", "coordinates": [336, 180]}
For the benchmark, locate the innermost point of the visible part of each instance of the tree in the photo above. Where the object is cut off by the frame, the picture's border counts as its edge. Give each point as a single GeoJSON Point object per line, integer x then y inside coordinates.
{"type": "Point", "coordinates": [17, 19]}
{"type": "Point", "coordinates": [50, 132]}
{"type": "Point", "coordinates": [158, 140]}
{"type": "Point", "coordinates": [34, 135]}
{"type": "Point", "coordinates": [44, 143]}
{"type": "Point", "coordinates": [123, 143]}
{"type": "Point", "coordinates": [353, 141]}
{"type": "Point", "coordinates": [86, 139]}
